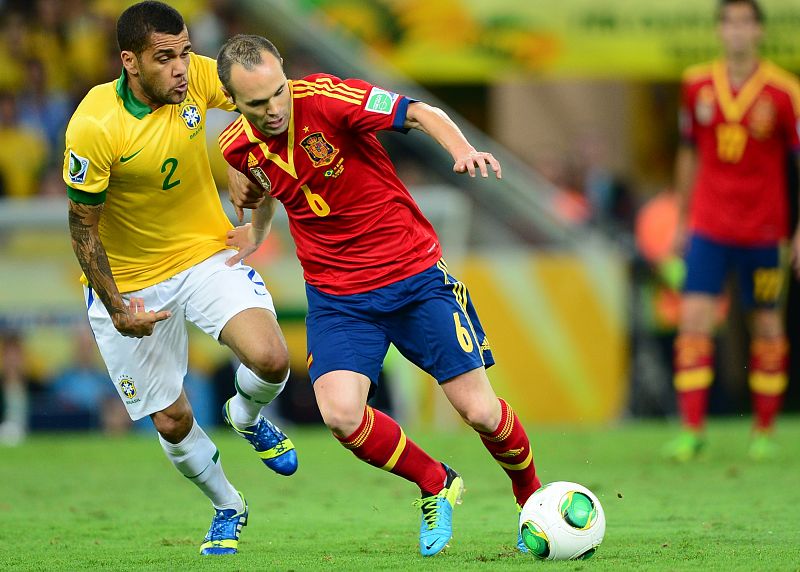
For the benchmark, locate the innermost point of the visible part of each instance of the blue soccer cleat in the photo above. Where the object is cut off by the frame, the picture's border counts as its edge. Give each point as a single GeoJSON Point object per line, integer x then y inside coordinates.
{"type": "Point", "coordinates": [436, 527]}
{"type": "Point", "coordinates": [223, 536]}
{"type": "Point", "coordinates": [520, 543]}
{"type": "Point", "coordinates": [272, 445]}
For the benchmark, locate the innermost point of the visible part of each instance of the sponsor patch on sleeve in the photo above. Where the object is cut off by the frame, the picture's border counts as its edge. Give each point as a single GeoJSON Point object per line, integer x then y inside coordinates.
{"type": "Point", "coordinates": [381, 101]}
{"type": "Point", "coordinates": [78, 166]}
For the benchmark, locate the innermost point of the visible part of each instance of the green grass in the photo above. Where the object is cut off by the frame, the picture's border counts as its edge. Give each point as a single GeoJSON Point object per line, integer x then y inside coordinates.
{"type": "Point", "coordinates": [77, 503]}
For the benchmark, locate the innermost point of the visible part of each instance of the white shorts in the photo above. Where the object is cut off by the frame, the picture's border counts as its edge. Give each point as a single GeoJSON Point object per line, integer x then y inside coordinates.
{"type": "Point", "coordinates": [148, 372]}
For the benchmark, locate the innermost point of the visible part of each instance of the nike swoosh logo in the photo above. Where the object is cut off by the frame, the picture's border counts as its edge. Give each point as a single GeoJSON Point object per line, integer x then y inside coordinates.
{"type": "Point", "coordinates": [129, 157]}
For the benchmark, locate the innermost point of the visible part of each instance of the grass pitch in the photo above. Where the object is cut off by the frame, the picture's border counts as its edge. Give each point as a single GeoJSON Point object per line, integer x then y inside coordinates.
{"type": "Point", "coordinates": [91, 502]}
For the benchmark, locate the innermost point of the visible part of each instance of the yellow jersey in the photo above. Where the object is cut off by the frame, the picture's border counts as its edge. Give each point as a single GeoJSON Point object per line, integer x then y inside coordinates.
{"type": "Point", "coordinates": [162, 212]}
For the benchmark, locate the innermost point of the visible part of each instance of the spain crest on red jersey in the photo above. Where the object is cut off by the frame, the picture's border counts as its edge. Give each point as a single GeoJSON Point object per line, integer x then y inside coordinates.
{"type": "Point", "coordinates": [319, 150]}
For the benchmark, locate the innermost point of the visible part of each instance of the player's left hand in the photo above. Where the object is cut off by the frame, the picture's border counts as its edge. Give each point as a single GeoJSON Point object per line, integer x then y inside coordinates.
{"type": "Point", "coordinates": [468, 162]}
{"type": "Point", "coordinates": [246, 239]}
{"type": "Point", "coordinates": [796, 253]}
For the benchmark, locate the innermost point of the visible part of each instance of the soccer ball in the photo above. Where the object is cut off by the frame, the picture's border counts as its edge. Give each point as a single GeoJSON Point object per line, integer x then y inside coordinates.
{"type": "Point", "coordinates": [562, 521]}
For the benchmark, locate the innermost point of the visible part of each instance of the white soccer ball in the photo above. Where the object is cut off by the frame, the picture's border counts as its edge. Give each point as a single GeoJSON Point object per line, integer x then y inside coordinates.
{"type": "Point", "coordinates": [562, 521]}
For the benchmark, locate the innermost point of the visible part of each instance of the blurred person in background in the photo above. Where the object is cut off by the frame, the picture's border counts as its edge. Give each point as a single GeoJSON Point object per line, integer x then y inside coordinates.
{"type": "Point", "coordinates": [23, 152]}
{"type": "Point", "coordinates": [14, 386]}
{"type": "Point", "coordinates": [83, 388]}
{"type": "Point", "coordinates": [46, 37]}
{"type": "Point", "coordinates": [739, 120]}
{"type": "Point", "coordinates": [149, 232]}
{"type": "Point", "coordinates": [13, 40]}
{"type": "Point", "coordinates": [43, 109]}
{"type": "Point", "coordinates": [372, 263]}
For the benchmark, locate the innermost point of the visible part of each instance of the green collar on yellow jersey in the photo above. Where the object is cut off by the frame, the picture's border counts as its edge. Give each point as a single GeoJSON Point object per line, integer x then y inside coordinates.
{"type": "Point", "coordinates": [133, 105]}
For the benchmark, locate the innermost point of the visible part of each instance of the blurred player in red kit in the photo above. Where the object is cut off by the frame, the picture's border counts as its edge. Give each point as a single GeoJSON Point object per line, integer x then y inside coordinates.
{"type": "Point", "coordinates": [739, 122]}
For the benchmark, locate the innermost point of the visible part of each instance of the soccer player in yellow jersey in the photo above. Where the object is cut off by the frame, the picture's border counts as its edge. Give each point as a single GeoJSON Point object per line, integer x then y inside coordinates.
{"type": "Point", "coordinates": [153, 241]}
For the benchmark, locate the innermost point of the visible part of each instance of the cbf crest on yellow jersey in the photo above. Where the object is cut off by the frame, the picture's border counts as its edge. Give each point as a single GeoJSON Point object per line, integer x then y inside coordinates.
{"type": "Point", "coordinates": [162, 212]}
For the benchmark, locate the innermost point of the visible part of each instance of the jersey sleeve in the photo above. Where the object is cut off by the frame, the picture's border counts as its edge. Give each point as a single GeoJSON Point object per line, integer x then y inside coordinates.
{"type": "Point", "coordinates": [686, 119]}
{"type": "Point", "coordinates": [234, 150]}
{"type": "Point", "coordinates": [88, 157]}
{"type": "Point", "coordinates": [791, 116]}
{"type": "Point", "coordinates": [205, 74]}
{"type": "Point", "coordinates": [361, 106]}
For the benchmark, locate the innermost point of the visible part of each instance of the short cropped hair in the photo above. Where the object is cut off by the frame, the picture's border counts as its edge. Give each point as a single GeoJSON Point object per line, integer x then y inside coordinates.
{"type": "Point", "coordinates": [758, 12]}
{"type": "Point", "coordinates": [137, 23]}
{"type": "Point", "coordinates": [245, 50]}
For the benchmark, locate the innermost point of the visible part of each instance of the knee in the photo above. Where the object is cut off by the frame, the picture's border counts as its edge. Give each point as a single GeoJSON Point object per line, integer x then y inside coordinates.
{"type": "Point", "coordinates": [174, 423]}
{"type": "Point", "coordinates": [342, 418]}
{"type": "Point", "coordinates": [270, 363]}
{"type": "Point", "coordinates": [768, 324]}
{"type": "Point", "coordinates": [482, 417]}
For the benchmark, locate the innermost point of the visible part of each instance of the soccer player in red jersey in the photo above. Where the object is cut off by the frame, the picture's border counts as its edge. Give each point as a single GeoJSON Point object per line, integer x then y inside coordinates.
{"type": "Point", "coordinates": [739, 121]}
{"type": "Point", "coordinates": [372, 264]}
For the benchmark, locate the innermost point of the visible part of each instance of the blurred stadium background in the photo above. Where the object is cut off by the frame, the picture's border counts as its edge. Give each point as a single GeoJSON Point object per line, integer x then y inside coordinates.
{"type": "Point", "coordinates": [578, 100]}
{"type": "Point", "coordinates": [564, 258]}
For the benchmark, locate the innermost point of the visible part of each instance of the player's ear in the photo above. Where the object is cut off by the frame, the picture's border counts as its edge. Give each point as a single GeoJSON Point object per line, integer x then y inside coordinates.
{"type": "Point", "coordinates": [130, 62]}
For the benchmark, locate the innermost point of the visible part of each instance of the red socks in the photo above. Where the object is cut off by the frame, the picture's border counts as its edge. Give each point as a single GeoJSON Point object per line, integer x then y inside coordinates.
{"type": "Point", "coordinates": [510, 447]}
{"type": "Point", "coordinates": [381, 442]}
{"type": "Point", "coordinates": [694, 372]}
{"type": "Point", "coordinates": [694, 362]}
{"type": "Point", "coordinates": [768, 379]}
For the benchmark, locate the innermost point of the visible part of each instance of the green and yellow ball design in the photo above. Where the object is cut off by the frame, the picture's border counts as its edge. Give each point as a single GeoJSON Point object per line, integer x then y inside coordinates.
{"type": "Point", "coordinates": [578, 510]}
{"type": "Point", "coordinates": [535, 539]}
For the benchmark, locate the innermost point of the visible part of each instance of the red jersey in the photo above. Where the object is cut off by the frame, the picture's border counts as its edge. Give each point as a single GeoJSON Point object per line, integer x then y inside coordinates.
{"type": "Point", "coordinates": [355, 225]}
{"type": "Point", "coordinates": [743, 137]}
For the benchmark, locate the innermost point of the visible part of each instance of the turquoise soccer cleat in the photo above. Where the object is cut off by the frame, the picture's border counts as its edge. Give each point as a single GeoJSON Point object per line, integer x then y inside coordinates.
{"type": "Point", "coordinates": [275, 449]}
{"type": "Point", "coordinates": [223, 536]}
{"type": "Point", "coordinates": [520, 543]}
{"type": "Point", "coordinates": [436, 527]}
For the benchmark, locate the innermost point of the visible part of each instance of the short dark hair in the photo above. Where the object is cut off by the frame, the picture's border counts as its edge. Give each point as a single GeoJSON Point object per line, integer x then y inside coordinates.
{"type": "Point", "coordinates": [245, 50]}
{"type": "Point", "coordinates": [756, 7]}
{"type": "Point", "coordinates": [135, 25]}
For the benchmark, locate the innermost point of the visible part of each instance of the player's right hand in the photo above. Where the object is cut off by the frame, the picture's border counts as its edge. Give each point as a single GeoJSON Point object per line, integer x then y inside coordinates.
{"type": "Point", "coordinates": [136, 322]}
{"type": "Point", "coordinates": [243, 192]}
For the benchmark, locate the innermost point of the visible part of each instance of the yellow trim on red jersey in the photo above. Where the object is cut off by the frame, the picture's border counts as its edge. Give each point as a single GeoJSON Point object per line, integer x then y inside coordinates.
{"type": "Point", "coordinates": [325, 86]}
{"type": "Point", "coordinates": [733, 107]}
{"type": "Point", "coordinates": [697, 72]}
{"type": "Point", "coordinates": [287, 166]}
{"type": "Point", "coordinates": [354, 91]}
{"type": "Point", "coordinates": [785, 81]}
{"type": "Point", "coordinates": [231, 133]}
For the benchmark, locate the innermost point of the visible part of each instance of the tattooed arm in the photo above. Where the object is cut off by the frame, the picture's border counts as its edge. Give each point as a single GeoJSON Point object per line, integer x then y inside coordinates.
{"type": "Point", "coordinates": [130, 319]}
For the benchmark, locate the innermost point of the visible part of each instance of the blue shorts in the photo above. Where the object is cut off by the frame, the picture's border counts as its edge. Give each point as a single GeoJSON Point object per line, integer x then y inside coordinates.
{"type": "Point", "coordinates": [429, 317]}
{"type": "Point", "coordinates": [758, 268]}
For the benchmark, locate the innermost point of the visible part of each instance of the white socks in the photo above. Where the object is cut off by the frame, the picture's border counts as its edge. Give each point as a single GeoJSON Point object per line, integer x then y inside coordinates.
{"type": "Point", "coordinates": [197, 458]}
{"type": "Point", "coordinates": [252, 393]}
